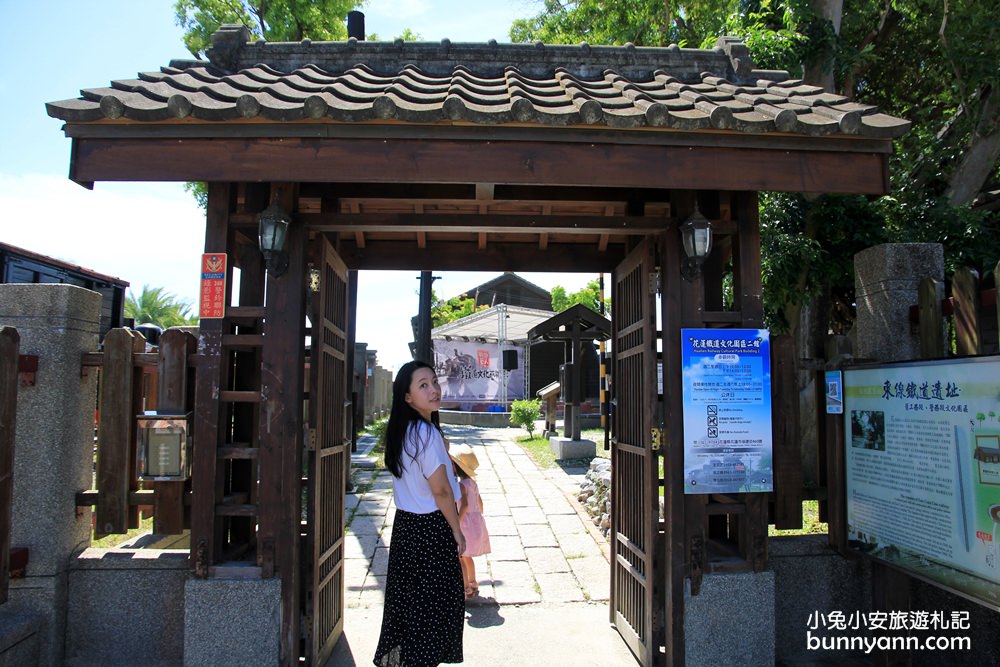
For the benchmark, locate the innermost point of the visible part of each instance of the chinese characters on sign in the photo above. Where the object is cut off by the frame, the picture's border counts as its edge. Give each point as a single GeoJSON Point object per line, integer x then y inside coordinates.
{"type": "Point", "coordinates": [923, 468]}
{"type": "Point", "coordinates": [727, 410]}
{"type": "Point", "coordinates": [213, 285]}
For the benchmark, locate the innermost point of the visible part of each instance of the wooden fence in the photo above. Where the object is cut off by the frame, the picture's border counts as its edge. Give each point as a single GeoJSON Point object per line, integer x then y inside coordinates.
{"type": "Point", "coordinates": [131, 382]}
{"type": "Point", "coordinates": [965, 323]}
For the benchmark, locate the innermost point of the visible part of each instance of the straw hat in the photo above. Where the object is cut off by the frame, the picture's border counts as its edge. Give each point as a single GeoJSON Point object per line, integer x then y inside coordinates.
{"type": "Point", "coordinates": [465, 459]}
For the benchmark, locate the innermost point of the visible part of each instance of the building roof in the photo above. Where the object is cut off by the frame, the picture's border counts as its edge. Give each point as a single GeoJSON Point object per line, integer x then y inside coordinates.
{"type": "Point", "coordinates": [484, 325]}
{"type": "Point", "coordinates": [622, 87]}
{"type": "Point", "coordinates": [10, 250]}
{"type": "Point", "coordinates": [592, 326]}
{"type": "Point", "coordinates": [509, 278]}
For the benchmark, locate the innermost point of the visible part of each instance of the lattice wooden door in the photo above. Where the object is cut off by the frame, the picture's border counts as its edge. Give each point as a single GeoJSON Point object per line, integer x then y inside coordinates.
{"type": "Point", "coordinates": [634, 488]}
{"type": "Point", "coordinates": [327, 457]}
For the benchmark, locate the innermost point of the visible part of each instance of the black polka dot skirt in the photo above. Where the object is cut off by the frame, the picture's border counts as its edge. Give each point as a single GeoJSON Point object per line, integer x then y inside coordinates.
{"type": "Point", "coordinates": [424, 614]}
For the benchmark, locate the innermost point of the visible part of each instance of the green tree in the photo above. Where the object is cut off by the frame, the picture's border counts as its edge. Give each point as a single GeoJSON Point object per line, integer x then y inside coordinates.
{"type": "Point", "coordinates": [588, 296]}
{"type": "Point", "coordinates": [156, 306]}
{"type": "Point", "coordinates": [457, 307]}
{"type": "Point", "coordinates": [278, 21]}
{"type": "Point", "coordinates": [928, 61]}
{"type": "Point", "coordinates": [642, 22]}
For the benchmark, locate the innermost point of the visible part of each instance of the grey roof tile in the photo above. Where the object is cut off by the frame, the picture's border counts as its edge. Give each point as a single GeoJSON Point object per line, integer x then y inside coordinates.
{"type": "Point", "coordinates": [487, 84]}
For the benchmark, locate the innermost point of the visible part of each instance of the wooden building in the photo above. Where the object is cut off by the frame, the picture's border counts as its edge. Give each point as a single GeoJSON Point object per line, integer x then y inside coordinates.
{"type": "Point", "coordinates": [451, 156]}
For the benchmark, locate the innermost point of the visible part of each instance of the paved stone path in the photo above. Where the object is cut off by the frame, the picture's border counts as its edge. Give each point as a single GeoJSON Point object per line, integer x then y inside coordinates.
{"type": "Point", "coordinates": [543, 591]}
{"type": "Point", "coordinates": [545, 549]}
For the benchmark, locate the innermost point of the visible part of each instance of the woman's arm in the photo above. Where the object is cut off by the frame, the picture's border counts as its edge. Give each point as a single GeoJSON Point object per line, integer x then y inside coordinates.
{"type": "Point", "coordinates": [445, 501]}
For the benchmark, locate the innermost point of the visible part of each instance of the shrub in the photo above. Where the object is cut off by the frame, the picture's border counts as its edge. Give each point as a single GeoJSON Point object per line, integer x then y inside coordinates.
{"type": "Point", "coordinates": [525, 413]}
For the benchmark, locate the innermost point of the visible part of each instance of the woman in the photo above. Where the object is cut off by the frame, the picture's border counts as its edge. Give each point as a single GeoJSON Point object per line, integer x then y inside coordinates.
{"type": "Point", "coordinates": [424, 614]}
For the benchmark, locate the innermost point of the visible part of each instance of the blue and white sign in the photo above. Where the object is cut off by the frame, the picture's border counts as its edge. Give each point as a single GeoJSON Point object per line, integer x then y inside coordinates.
{"type": "Point", "coordinates": [727, 410]}
{"type": "Point", "coordinates": [834, 393]}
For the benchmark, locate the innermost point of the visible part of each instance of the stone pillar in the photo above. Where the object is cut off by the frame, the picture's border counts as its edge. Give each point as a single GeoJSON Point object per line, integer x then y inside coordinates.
{"type": "Point", "coordinates": [887, 282]}
{"type": "Point", "coordinates": [53, 445]}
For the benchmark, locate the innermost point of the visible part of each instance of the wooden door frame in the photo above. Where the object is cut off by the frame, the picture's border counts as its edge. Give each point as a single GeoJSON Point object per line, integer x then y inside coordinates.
{"type": "Point", "coordinates": [626, 611]}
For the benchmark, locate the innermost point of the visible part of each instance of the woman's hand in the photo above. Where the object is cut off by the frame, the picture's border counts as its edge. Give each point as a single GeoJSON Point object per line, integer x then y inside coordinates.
{"type": "Point", "coordinates": [459, 540]}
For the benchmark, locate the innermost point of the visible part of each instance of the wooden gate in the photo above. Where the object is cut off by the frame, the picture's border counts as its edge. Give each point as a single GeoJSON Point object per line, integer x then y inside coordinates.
{"type": "Point", "coordinates": [327, 456]}
{"type": "Point", "coordinates": [634, 487]}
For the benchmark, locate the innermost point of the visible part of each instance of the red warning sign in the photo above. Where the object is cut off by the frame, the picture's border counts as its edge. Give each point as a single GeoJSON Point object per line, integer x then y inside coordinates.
{"type": "Point", "coordinates": [213, 285]}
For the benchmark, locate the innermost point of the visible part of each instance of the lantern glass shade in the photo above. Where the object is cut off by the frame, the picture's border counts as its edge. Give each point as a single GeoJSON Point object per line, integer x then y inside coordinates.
{"type": "Point", "coordinates": [272, 228]}
{"type": "Point", "coordinates": [696, 237]}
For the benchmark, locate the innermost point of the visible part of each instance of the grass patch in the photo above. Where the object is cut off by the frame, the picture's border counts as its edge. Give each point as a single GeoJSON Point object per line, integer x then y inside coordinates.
{"type": "Point", "coordinates": [109, 541]}
{"type": "Point", "coordinates": [538, 449]}
{"type": "Point", "coordinates": [811, 525]}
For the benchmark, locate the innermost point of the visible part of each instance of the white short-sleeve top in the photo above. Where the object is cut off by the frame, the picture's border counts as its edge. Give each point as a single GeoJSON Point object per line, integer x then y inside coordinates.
{"type": "Point", "coordinates": [423, 453]}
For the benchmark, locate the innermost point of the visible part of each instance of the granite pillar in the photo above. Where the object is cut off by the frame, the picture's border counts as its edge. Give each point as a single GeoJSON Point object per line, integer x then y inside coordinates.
{"type": "Point", "coordinates": [887, 282]}
{"type": "Point", "coordinates": [53, 445]}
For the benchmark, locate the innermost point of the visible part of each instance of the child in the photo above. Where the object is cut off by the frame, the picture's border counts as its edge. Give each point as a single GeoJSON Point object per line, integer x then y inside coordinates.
{"type": "Point", "coordinates": [470, 515]}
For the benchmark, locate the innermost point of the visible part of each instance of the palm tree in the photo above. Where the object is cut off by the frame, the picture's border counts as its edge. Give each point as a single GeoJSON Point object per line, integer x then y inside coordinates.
{"type": "Point", "coordinates": [155, 306]}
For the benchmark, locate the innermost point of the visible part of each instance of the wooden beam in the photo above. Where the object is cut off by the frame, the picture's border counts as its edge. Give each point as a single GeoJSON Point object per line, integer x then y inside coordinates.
{"type": "Point", "coordinates": [775, 167]}
{"type": "Point", "coordinates": [458, 256]}
{"type": "Point", "coordinates": [482, 240]}
{"type": "Point", "coordinates": [473, 224]}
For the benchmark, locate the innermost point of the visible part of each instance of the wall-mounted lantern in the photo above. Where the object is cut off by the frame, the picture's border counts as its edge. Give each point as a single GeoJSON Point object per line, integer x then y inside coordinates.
{"type": "Point", "coordinates": [272, 228]}
{"type": "Point", "coordinates": [696, 237]}
{"type": "Point", "coordinates": [163, 445]}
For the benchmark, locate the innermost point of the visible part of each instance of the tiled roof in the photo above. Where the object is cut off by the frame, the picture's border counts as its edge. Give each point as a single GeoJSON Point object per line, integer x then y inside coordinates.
{"type": "Point", "coordinates": [484, 84]}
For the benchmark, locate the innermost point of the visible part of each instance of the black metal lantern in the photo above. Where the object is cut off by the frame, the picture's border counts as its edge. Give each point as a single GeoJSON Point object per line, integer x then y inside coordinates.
{"type": "Point", "coordinates": [696, 237]}
{"type": "Point", "coordinates": [272, 228]}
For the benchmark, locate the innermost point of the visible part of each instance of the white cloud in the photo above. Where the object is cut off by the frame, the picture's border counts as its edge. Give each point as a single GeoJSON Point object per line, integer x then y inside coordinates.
{"type": "Point", "coordinates": [153, 234]}
{"type": "Point", "coordinates": [142, 233]}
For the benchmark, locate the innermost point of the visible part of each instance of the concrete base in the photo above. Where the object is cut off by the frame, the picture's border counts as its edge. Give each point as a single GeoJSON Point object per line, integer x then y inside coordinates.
{"type": "Point", "coordinates": [232, 622]}
{"type": "Point", "coordinates": [22, 636]}
{"type": "Point", "coordinates": [810, 578]}
{"type": "Point", "coordinates": [141, 590]}
{"type": "Point", "coordinates": [730, 621]}
{"type": "Point", "coordinates": [566, 448]}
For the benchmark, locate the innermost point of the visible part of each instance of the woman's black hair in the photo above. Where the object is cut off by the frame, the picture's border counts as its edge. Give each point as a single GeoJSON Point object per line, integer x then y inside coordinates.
{"type": "Point", "coordinates": [401, 416]}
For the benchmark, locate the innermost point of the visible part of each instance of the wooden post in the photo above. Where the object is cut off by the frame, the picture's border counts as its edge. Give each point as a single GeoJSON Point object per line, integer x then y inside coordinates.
{"type": "Point", "coordinates": [750, 302]}
{"type": "Point", "coordinates": [280, 457]}
{"type": "Point", "coordinates": [206, 489]}
{"type": "Point", "coordinates": [996, 269]}
{"type": "Point", "coordinates": [931, 319]}
{"type": "Point", "coordinates": [787, 455]}
{"type": "Point", "coordinates": [175, 346]}
{"type": "Point", "coordinates": [9, 345]}
{"type": "Point", "coordinates": [965, 293]}
{"type": "Point", "coordinates": [115, 427]}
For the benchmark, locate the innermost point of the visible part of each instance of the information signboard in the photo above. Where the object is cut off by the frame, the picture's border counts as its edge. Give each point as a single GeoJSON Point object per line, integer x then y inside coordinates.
{"type": "Point", "coordinates": [923, 469]}
{"type": "Point", "coordinates": [727, 410]}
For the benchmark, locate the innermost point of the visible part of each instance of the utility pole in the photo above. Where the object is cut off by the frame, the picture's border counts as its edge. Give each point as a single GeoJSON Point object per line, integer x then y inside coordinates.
{"type": "Point", "coordinates": [424, 350]}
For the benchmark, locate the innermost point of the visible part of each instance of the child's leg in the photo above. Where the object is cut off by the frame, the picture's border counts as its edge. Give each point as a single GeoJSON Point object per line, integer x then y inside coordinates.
{"type": "Point", "coordinates": [472, 575]}
{"type": "Point", "coordinates": [468, 572]}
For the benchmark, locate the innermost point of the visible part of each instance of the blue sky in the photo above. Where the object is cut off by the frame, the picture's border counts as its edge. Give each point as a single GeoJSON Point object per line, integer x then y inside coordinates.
{"type": "Point", "coordinates": [53, 48]}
